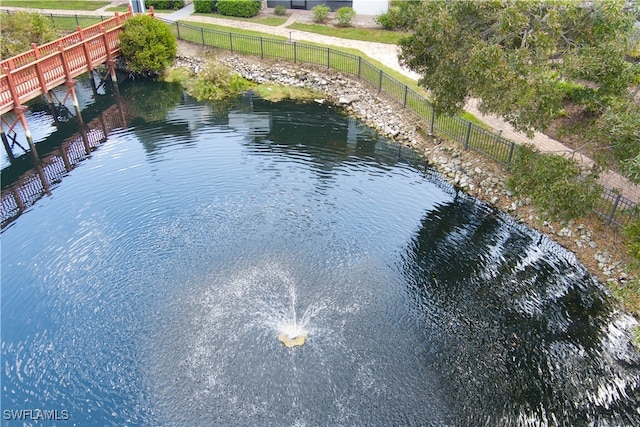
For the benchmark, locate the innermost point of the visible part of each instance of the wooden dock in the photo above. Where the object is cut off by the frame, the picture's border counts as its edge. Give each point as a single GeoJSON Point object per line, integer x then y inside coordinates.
{"type": "Point", "coordinates": [43, 68]}
{"type": "Point", "coordinates": [37, 71]}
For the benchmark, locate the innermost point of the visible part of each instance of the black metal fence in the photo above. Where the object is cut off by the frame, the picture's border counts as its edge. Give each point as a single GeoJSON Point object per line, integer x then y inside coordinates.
{"type": "Point", "coordinates": [615, 208]}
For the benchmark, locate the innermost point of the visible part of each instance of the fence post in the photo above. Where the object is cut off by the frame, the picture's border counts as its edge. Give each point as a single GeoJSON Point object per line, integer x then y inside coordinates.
{"type": "Point", "coordinates": [328, 52]}
{"type": "Point", "coordinates": [613, 209]}
{"type": "Point", "coordinates": [380, 80]}
{"type": "Point", "coordinates": [295, 53]}
{"type": "Point", "coordinates": [511, 148]}
{"type": "Point", "coordinates": [359, 65]}
{"type": "Point", "coordinates": [77, 22]}
{"type": "Point", "coordinates": [231, 42]}
{"type": "Point", "coordinates": [178, 28]}
{"type": "Point", "coordinates": [433, 119]}
{"type": "Point", "coordinates": [404, 104]}
{"type": "Point", "coordinates": [466, 137]}
{"type": "Point", "coordinates": [202, 34]}
{"type": "Point", "coordinates": [261, 48]}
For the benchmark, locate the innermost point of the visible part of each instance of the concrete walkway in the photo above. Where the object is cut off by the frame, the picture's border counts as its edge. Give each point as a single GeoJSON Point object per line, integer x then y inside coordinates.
{"type": "Point", "coordinates": [293, 17]}
{"type": "Point", "coordinates": [180, 14]}
{"type": "Point", "coordinates": [388, 55]}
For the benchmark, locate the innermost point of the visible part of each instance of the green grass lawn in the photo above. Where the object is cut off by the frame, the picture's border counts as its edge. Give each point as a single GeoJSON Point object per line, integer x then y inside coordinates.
{"type": "Point", "coordinates": [272, 21]}
{"type": "Point", "coordinates": [59, 4]}
{"type": "Point", "coordinates": [353, 33]}
{"type": "Point", "coordinates": [69, 24]}
{"type": "Point", "coordinates": [230, 30]}
{"type": "Point", "coordinates": [124, 7]}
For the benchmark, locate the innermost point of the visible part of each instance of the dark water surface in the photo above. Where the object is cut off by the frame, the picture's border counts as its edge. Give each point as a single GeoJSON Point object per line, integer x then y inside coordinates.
{"type": "Point", "coordinates": [150, 286]}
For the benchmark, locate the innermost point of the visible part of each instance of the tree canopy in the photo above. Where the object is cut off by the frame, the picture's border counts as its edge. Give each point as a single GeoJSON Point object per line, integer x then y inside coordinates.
{"type": "Point", "coordinates": [521, 59]}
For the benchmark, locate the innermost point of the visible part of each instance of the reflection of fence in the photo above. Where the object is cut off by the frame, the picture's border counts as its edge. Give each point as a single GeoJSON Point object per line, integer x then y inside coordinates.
{"type": "Point", "coordinates": [615, 208]}
{"type": "Point", "coordinates": [37, 182]}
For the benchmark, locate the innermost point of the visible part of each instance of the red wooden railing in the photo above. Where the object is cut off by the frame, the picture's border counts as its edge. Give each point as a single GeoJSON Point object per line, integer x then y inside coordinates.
{"type": "Point", "coordinates": [34, 73]}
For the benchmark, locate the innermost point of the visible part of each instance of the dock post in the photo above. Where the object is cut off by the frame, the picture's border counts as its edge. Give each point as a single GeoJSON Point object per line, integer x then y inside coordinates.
{"type": "Point", "coordinates": [27, 132]}
{"type": "Point", "coordinates": [5, 142]}
{"type": "Point", "coordinates": [19, 110]}
{"type": "Point", "coordinates": [18, 199]}
{"type": "Point", "coordinates": [111, 62]}
{"type": "Point", "coordinates": [52, 109]}
{"type": "Point", "coordinates": [92, 81]}
{"type": "Point", "coordinates": [43, 178]}
{"type": "Point", "coordinates": [76, 105]}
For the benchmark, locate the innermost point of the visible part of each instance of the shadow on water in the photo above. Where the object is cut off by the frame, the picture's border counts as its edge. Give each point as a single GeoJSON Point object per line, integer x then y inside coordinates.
{"type": "Point", "coordinates": [49, 132]}
{"type": "Point", "coordinates": [72, 140]}
{"type": "Point", "coordinates": [519, 333]}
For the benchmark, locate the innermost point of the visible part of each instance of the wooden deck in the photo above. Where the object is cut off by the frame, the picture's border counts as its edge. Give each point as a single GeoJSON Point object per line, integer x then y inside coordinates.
{"type": "Point", "coordinates": [45, 67]}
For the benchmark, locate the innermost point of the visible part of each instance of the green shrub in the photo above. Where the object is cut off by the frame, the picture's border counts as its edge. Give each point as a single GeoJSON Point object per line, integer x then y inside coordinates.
{"type": "Point", "coordinates": [629, 292]}
{"type": "Point", "coordinates": [620, 124]}
{"type": "Point", "coordinates": [216, 82]}
{"type": "Point", "coordinates": [147, 45]}
{"type": "Point", "coordinates": [345, 15]}
{"type": "Point", "coordinates": [205, 6]}
{"type": "Point", "coordinates": [277, 93]}
{"type": "Point", "coordinates": [632, 234]}
{"type": "Point", "coordinates": [386, 21]}
{"type": "Point", "coordinates": [576, 92]}
{"type": "Point", "coordinates": [240, 8]}
{"type": "Point", "coordinates": [280, 10]}
{"type": "Point", "coordinates": [634, 44]}
{"type": "Point", "coordinates": [554, 183]}
{"type": "Point", "coordinates": [164, 4]}
{"type": "Point", "coordinates": [320, 13]}
{"type": "Point", "coordinates": [631, 168]}
{"type": "Point", "coordinates": [20, 29]}
{"type": "Point", "coordinates": [399, 16]}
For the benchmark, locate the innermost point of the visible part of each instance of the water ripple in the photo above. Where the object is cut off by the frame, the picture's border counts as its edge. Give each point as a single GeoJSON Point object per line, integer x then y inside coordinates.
{"type": "Point", "coordinates": [150, 287]}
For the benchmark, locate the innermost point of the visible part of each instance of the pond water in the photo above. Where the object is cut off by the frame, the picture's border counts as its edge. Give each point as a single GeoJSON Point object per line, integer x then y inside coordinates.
{"type": "Point", "coordinates": [150, 286]}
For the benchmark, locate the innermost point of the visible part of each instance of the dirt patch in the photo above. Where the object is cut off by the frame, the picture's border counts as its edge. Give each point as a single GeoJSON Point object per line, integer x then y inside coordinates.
{"type": "Point", "coordinates": [570, 131]}
{"type": "Point", "coordinates": [566, 128]}
{"type": "Point", "coordinates": [194, 50]}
